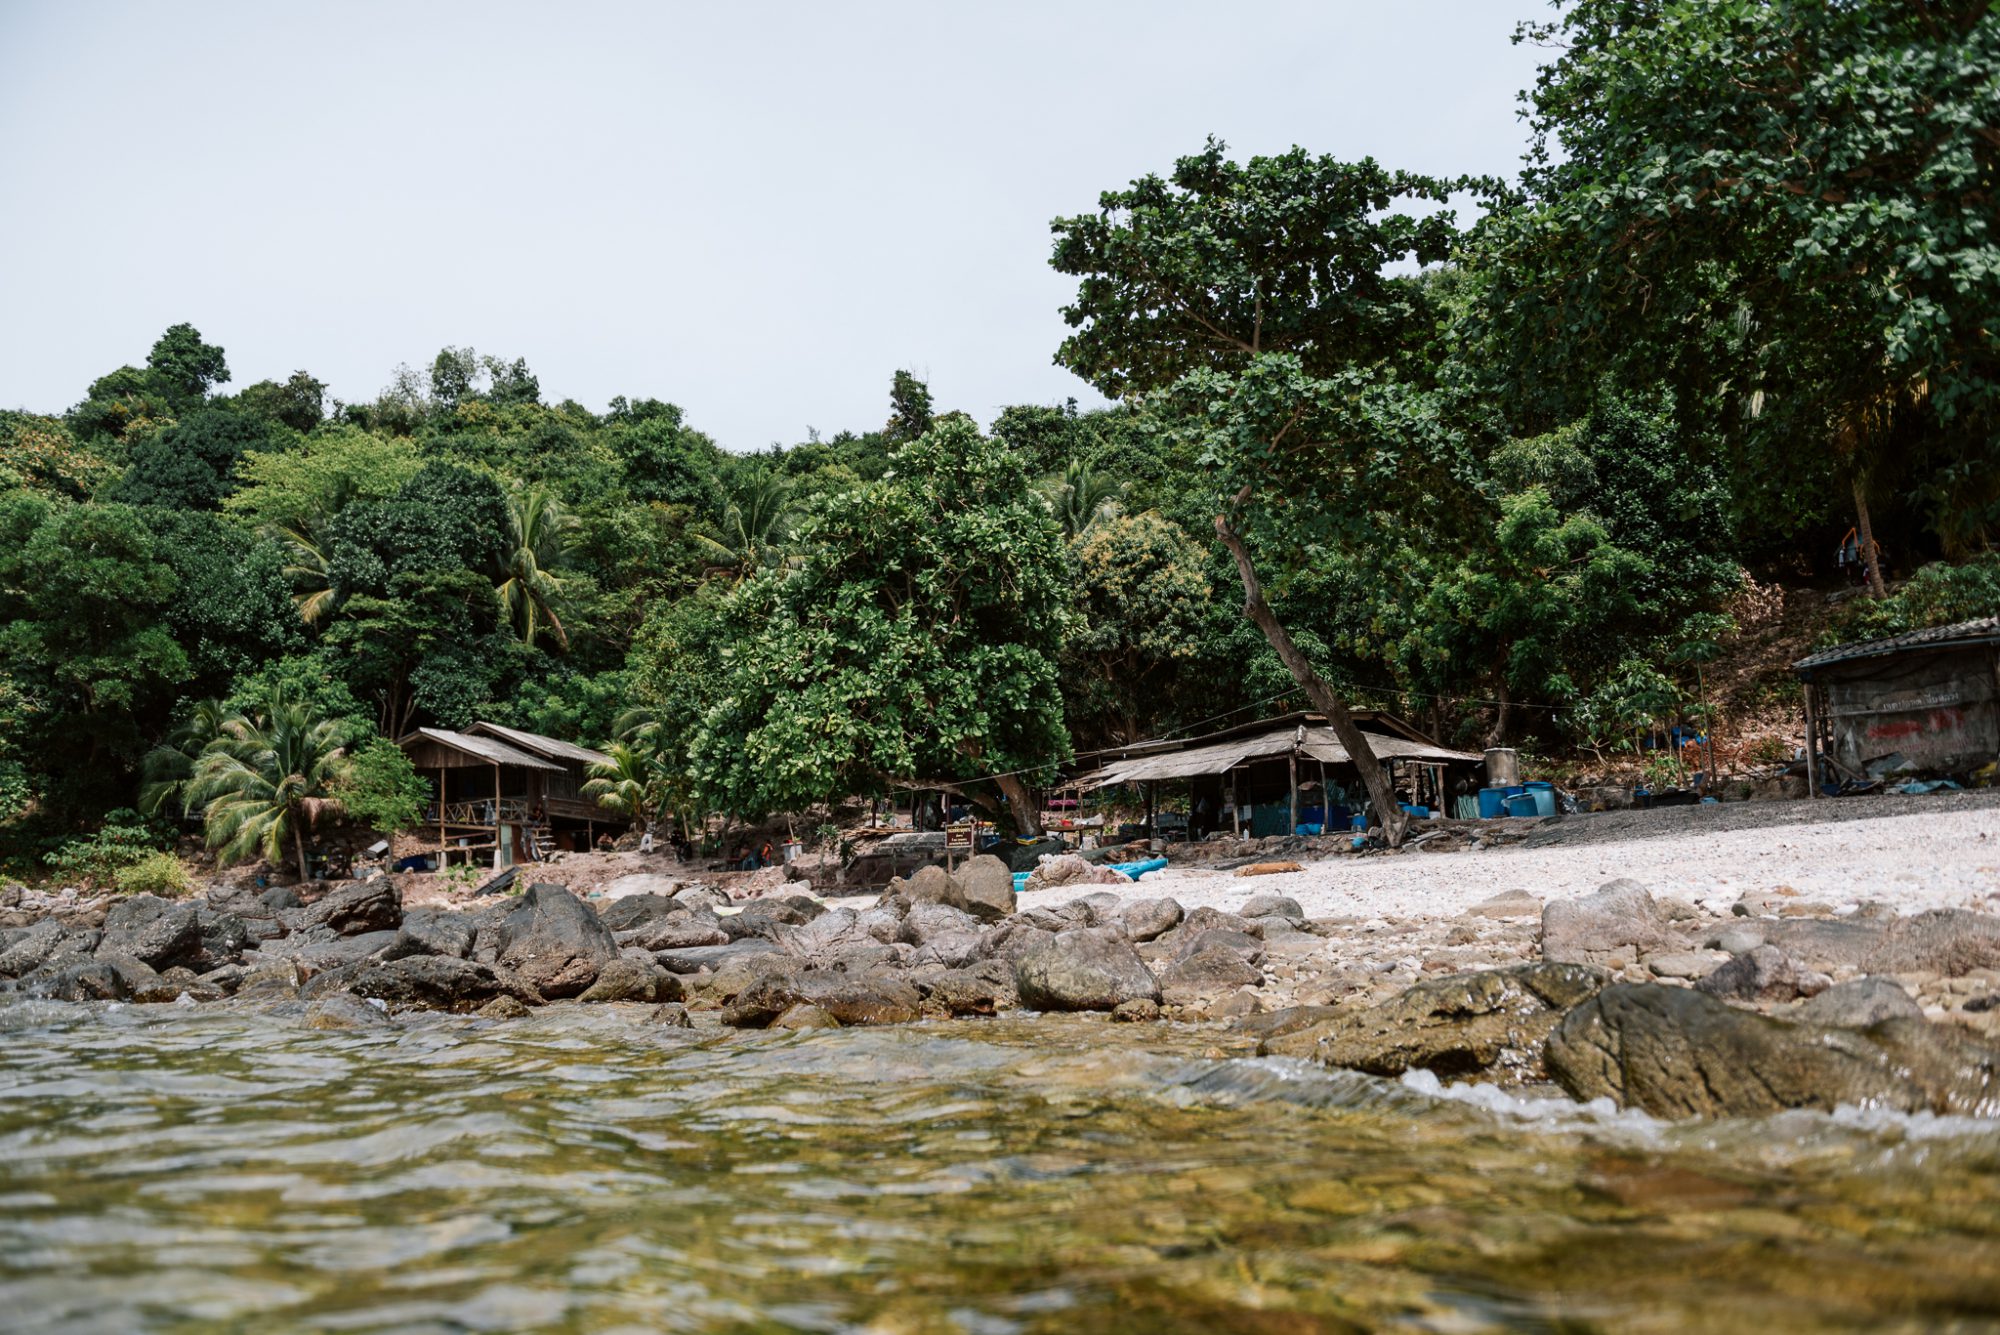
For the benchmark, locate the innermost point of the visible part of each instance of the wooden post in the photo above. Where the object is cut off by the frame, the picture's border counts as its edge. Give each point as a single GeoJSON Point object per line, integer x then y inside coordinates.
{"type": "Point", "coordinates": [1812, 745]}
{"type": "Point", "coordinates": [1295, 790]}
{"type": "Point", "coordinates": [496, 815]}
{"type": "Point", "coordinates": [1325, 801]}
{"type": "Point", "coordinates": [1152, 829]}
{"type": "Point", "coordinates": [1236, 799]}
{"type": "Point", "coordinates": [441, 858]}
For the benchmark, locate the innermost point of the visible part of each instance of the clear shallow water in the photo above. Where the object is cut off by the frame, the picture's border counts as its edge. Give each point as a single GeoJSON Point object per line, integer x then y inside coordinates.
{"type": "Point", "coordinates": [201, 1169]}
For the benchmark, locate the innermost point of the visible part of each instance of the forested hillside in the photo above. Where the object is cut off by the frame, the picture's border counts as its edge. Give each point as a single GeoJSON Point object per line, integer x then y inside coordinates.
{"type": "Point", "coordinates": [1498, 453]}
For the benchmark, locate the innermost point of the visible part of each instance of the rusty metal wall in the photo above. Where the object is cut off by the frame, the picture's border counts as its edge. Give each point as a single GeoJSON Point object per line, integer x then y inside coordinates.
{"type": "Point", "coordinates": [1938, 712]}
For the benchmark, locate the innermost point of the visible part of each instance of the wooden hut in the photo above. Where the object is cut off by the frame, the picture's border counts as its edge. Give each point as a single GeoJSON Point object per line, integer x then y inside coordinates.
{"type": "Point", "coordinates": [505, 795]}
{"type": "Point", "coordinates": [1910, 706]}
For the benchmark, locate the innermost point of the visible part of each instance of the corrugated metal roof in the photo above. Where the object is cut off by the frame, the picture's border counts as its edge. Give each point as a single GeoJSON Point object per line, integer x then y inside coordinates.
{"type": "Point", "coordinates": [486, 748]}
{"type": "Point", "coordinates": [1985, 630]}
{"type": "Point", "coordinates": [1320, 743]}
{"type": "Point", "coordinates": [551, 747]}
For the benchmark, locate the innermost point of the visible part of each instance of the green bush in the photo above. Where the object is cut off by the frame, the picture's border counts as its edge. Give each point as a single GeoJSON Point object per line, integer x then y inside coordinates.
{"type": "Point", "coordinates": [379, 790]}
{"type": "Point", "coordinates": [155, 874]}
{"type": "Point", "coordinates": [1939, 594]}
{"type": "Point", "coordinates": [123, 840]}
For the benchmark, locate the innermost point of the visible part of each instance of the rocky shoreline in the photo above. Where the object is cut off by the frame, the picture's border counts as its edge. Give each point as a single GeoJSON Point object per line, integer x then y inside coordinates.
{"type": "Point", "coordinates": [1653, 1004]}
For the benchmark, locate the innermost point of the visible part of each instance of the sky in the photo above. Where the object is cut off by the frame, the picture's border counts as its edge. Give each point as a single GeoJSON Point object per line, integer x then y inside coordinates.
{"type": "Point", "coordinates": [758, 211]}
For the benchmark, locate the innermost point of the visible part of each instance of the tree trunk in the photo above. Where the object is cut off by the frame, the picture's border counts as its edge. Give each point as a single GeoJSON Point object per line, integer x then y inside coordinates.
{"type": "Point", "coordinates": [1317, 691]}
{"type": "Point", "coordinates": [1871, 559]}
{"type": "Point", "coordinates": [1027, 821]}
{"type": "Point", "coordinates": [299, 846]}
{"type": "Point", "coordinates": [1503, 716]}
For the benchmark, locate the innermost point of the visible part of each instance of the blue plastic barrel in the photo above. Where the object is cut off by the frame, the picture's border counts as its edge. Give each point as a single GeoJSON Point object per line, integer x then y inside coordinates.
{"type": "Point", "coordinates": [1521, 804]}
{"type": "Point", "coordinates": [1544, 795]}
{"type": "Point", "coordinates": [1492, 803]}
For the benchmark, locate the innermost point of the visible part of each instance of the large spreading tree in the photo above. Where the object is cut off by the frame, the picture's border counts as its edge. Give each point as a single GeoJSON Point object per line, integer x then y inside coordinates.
{"type": "Point", "coordinates": [1259, 308]}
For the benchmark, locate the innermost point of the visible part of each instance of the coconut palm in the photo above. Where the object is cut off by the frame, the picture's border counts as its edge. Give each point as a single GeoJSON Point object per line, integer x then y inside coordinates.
{"type": "Point", "coordinates": [631, 783]}
{"type": "Point", "coordinates": [756, 523]}
{"type": "Point", "coordinates": [265, 777]}
{"type": "Point", "coordinates": [168, 769]}
{"type": "Point", "coordinates": [306, 566]}
{"type": "Point", "coordinates": [539, 532]}
{"type": "Point", "coordinates": [1080, 497]}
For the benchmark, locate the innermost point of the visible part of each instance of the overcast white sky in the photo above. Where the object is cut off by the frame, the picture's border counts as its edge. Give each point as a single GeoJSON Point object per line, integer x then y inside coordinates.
{"type": "Point", "coordinates": [758, 211]}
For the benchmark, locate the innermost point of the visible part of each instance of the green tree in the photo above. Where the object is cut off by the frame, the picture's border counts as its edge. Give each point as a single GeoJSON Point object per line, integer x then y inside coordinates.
{"type": "Point", "coordinates": [1262, 296]}
{"type": "Point", "coordinates": [190, 465]}
{"type": "Point", "coordinates": [915, 642]}
{"type": "Point", "coordinates": [184, 368]}
{"type": "Point", "coordinates": [1786, 209]}
{"type": "Point", "coordinates": [1080, 497]}
{"type": "Point", "coordinates": [539, 532]}
{"type": "Point", "coordinates": [632, 783]}
{"type": "Point", "coordinates": [1145, 598]}
{"type": "Point", "coordinates": [378, 789]}
{"type": "Point", "coordinates": [268, 776]}
{"type": "Point", "coordinates": [756, 523]}
{"type": "Point", "coordinates": [910, 414]}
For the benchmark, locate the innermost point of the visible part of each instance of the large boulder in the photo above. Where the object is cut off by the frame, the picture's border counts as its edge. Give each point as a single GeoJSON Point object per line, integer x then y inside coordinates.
{"type": "Point", "coordinates": [851, 999]}
{"type": "Point", "coordinates": [1091, 969]}
{"type": "Point", "coordinates": [634, 910]}
{"type": "Point", "coordinates": [33, 948]}
{"type": "Point", "coordinates": [154, 931]}
{"type": "Point", "coordinates": [1675, 1052]}
{"type": "Point", "coordinates": [1209, 971]}
{"type": "Point", "coordinates": [1948, 942]}
{"type": "Point", "coordinates": [1619, 920]}
{"type": "Point", "coordinates": [986, 888]}
{"type": "Point", "coordinates": [674, 931]}
{"type": "Point", "coordinates": [356, 907]}
{"type": "Point", "coordinates": [1453, 1026]}
{"type": "Point", "coordinates": [109, 977]}
{"type": "Point", "coordinates": [1149, 919]}
{"type": "Point", "coordinates": [552, 939]}
{"type": "Point", "coordinates": [433, 932]}
{"type": "Point", "coordinates": [985, 987]}
{"type": "Point", "coordinates": [426, 982]}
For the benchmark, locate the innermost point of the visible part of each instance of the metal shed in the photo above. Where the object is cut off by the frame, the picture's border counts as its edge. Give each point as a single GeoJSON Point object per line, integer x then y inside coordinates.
{"type": "Point", "coordinates": [1925, 703]}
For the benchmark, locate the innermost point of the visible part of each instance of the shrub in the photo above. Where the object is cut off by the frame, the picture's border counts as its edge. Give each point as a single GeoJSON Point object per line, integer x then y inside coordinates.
{"type": "Point", "coordinates": [121, 841]}
{"type": "Point", "coordinates": [1940, 594]}
{"type": "Point", "coordinates": [154, 874]}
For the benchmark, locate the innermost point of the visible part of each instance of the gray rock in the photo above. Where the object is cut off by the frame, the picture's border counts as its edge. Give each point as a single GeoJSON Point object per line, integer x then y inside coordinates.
{"type": "Point", "coordinates": [926, 921]}
{"type": "Point", "coordinates": [1764, 974]}
{"type": "Point", "coordinates": [1091, 969]}
{"type": "Point", "coordinates": [949, 950]}
{"type": "Point", "coordinates": [427, 982]}
{"type": "Point", "coordinates": [1620, 917]}
{"type": "Point", "coordinates": [768, 918]}
{"type": "Point", "coordinates": [1737, 939]}
{"type": "Point", "coordinates": [803, 1016]}
{"type": "Point", "coordinates": [280, 897]}
{"type": "Point", "coordinates": [1689, 964]}
{"type": "Point", "coordinates": [673, 1015]}
{"type": "Point", "coordinates": [552, 939]}
{"type": "Point", "coordinates": [1249, 948]}
{"type": "Point", "coordinates": [33, 948]}
{"type": "Point", "coordinates": [1149, 919]}
{"type": "Point", "coordinates": [154, 931]}
{"type": "Point", "coordinates": [502, 1008]}
{"type": "Point", "coordinates": [224, 938]}
{"type": "Point", "coordinates": [1508, 904]}
{"type": "Point", "coordinates": [1139, 1010]}
{"type": "Point", "coordinates": [1211, 970]}
{"type": "Point", "coordinates": [986, 888]}
{"type": "Point", "coordinates": [702, 897]}
{"type": "Point", "coordinates": [637, 887]}
{"type": "Point", "coordinates": [1676, 1052]}
{"type": "Point", "coordinates": [1857, 1004]}
{"type": "Point", "coordinates": [622, 915]}
{"type": "Point", "coordinates": [1206, 919]}
{"type": "Point", "coordinates": [355, 907]}
{"type": "Point", "coordinates": [694, 959]}
{"type": "Point", "coordinates": [1272, 906]}
{"type": "Point", "coordinates": [433, 932]}
{"type": "Point", "coordinates": [628, 979]}
{"type": "Point", "coordinates": [109, 977]}
{"type": "Point", "coordinates": [675, 931]}
{"type": "Point", "coordinates": [1012, 939]}
{"type": "Point", "coordinates": [851, 999]}
{"type": "Point", "coordinates": [984, 988]}
{"type": "Point", "coordinates": [1453, 1026]}
{"type": "Point", "coordinates": [341, 1011]}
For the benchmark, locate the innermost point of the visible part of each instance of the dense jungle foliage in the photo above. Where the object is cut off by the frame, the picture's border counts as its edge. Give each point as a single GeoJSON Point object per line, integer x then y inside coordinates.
{"type": "Point", "coordinates": [1501, 451]}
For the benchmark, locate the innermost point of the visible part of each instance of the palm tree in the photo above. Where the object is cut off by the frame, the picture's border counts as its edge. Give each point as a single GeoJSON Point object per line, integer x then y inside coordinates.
{"type": "Point", "coordinates": [308, 570]}
{"type": "Point", "coordinates": [265, 777]}
{"type": "Point", "coordinates": [755, 525]}
{"type": "Point", "coordinates": [539, 532]}
{"type": "Point", "coordinates": [168, 769]}
{"type": "Point", "coordinates": [631, 783]}
{"type": "Point", "coordinates": [1080, 497]}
